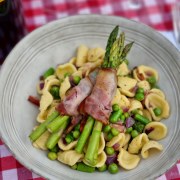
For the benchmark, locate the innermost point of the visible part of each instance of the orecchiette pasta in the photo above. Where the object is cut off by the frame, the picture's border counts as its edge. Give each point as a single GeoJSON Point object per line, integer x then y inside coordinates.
{"type": "Point", "coordinates": [66, 147]}
{"type": "Point", "coordinates": [126, 160]}
{"type": "Point", "coordinates": [144, 84]}
{"type": "Point", "coordinates": [120, 138]}
{"type": "Point", "coordinates": [153, 101]}
{"type": "Point", "coordinates": [123, 69]}
{"type": "Point", "coordinates": [148, 146]}
{"type": "Point", "coordinates": [156, 130]}
{"type": "Point", "coordinates": [135, 104]}
{"type": "Point", "coordinates": [95, 54]}
{"type": "Point", "coordinates": [137, 143]}
{"type": "Point", "coordinates": [124, 102]}
{"type": "Point", "coordinates": [158, 92]}
{"type": "Point", "coordinates": [69, 157]}
{"type": "Point", "coordinates": [117, 97]}
{"type": "Point", "coordinates": [82, 53]}
{"type": "Point", "coordinates": [65, 85]}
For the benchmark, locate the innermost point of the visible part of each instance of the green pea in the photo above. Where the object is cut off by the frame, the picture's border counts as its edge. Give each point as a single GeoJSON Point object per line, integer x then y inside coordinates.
{"type": "Point", "coordinates": [74, 166]}
{"type": "Point", "coordinates": [151, 80]}
{"type": "Point", "coordinates": [76, 79]}
{"type": "Point", "coordinates": [109, 150]}
{"type": "Point", "coordinates": [122, 118]}
{"type": "Point", "coordinates": [69, 138]}
{"type": "Point", "coordinates": [55, 149]}
{"type": "Point", "coordinates": [76, 134]}
{"type": "Point", "coordinates": [134, 133]}
{"type": "Point", "coordinates": [126, 114]}
{"type": "Point", "coordinates": [49, 72]}
{"type": "Point", "coordinates": [115, 107]}
{"type": "Point", "coordinates": [140, 90]}
{"type": "Point", "coordinates": [114, 131]}
{"type": "Point", "coordinates": [157, 111]}
{"type": "Point", "coordinates": [115, 116]}
{"type": "Point", "coordinates": [77, 127]}
{"type": "Point", "coordinates": [106, 128]}
{"type": "Point", "coordinates": [102, 168]}
{"type": "Point", "coordinates": [109, 136]}
{"type": "Point", "coordinates": [55, 92]}
{"type": "Point", "coordinates": [129, 130]}
{"type": "Point", "coordinates": [113, 168]}
{"type": "Point", "coordinates": [52, 156]}
{"type": "Point", "coordinates": [139, 127]}
{"type": "Point", "coordinates": [67, 74]}
{"type": "Point", "coordinates": [139, 96]}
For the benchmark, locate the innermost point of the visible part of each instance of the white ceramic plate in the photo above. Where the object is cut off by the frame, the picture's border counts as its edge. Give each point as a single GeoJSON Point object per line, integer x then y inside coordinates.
{"type": "Point", "coordinates": [56, 43]}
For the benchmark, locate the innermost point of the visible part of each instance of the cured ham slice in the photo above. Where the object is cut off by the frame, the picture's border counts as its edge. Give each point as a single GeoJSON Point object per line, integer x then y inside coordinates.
{"type": "Point", "coordinates": [98, 104]}
{"type": "Point", "coordinates": [69, 106]}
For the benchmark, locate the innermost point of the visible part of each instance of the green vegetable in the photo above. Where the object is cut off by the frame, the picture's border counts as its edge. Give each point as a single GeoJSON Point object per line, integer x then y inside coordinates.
{"type": "Point", "coordinates": [126, 114]}
{"type": "Point", "coordinates": [129, 130]}
{"type": "Point", "coordinates": [74, 166]}
{"type": "Point", "coordinates": [113, 168]}
{"type": "Point", "coordinates": [126, 61]}
{"type": "Point", "coordinates": [77, 127]}
{"type": "Point", "coordinates": [109, 150]}
{"type": "Point", "coordinates": [55, 149]}
{"type": "Point", "coordinates": [126, 50]}
{"type": "Point", "coordinates": [93, 145]}
{"type": "Point", "coordinates": [55, 92]}
{"type": "Point", "coordinates": [139, 96]}
{"type": "Point", "coordinates": [114, 131]}
{"type": "Point", "coordinates": [66, 75]}
{"type": "Point", "coordinates": [84, 135]}
{"type": "Point", "coordinates": [138, 126]}
{"type": "Point", "coordinates": [76, 134]}
{"type": "Point", "coordinates": [102, 168]}
{"type": "Point", "coordinates": [54, 137]}
{"type": "Point", "coordinates": [115, 116]}
{"type": "Point", "coordinates": [85, 168]}
{"type": "Point", "coordinates": [134, 133]}
{"type": "Point", "coordinates": [42, 127]}
{"type": "Point", "coordinates": [157, 111]}
{"type": "Point", "coordinates": [52, 156]}
{"type": "Point", "coordinates": [152, 80]}
{"type": "Point", "coordinates": [49, 72]}
{"type": "Point", "coordinates": [69, 138]}
{"type": "Point", "coordinates": [109, 136]}
{"type": "Point", "coordinates": [122, 118]}
{"type": "Point", "coordinates": [115, 107]}
{"type": "Point", "coordinates": [140, 90]}
{"type": "Point", "coordinates": [106, 128]}
{"type": "Point", "coordinates": [141, 119]}
{"type": "Point", "coordinates": [54, 125]}
{"type": "Point", "coordinates": [76, 79]}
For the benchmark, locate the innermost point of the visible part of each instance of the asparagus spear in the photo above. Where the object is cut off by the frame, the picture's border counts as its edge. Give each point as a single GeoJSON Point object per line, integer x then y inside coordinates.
{"type": "Point", "coordinates": [54, 137]}
{"type": "Point", "coordinates": [93, 145]}
{"type": "Point", "coordinates": [84, 135]}
{"type": "Point", "coordinates": [42, 127]}
{"type": "Point", "coordinates": [56, 124]}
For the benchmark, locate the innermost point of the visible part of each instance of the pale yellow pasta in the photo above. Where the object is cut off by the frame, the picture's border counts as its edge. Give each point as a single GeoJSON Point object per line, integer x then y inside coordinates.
{"type": "Point", "coordinates": [153, 101]}
{"type": "Point", "coordinates": [127, 85]}
{"type": "Point", "coordinates": [95, 54]}
{"type": "Point", "coordinates": [144, 84]}
{"type": "Point", "coordinates": [158, 130]}
{"type": "Point", "coordinates": [46, 100]}
{"type": "Point", "coordinates": [82, 53]}
{"type": "Point", "coordinates": [41, 117]}
{"type": "Point", "coordinates": [126, 160]}
{"type": "Point", "coordinates": [123, 69]}
{"type": "Point", "coordinates": [117, 97]}
{"type": "Point", "coordinates": [143, 72]}
{"type": "Point", "coordinates": [52, 108]}
{"type": "Point", "coordinates": [127, 139]}
{"type": "Point", "coordinates": [101, 144]}
{"type": "Point", "coordinates": [158, 92]}
{"type": "Point", "coordinates": [66, 147]}
{"type": "Point", "coordinates": [77, 73]}
{"type": "Point", "coordinates": [148, 146]}
{"type": "Point", "coordinates": [63, 69]}
{"type": "Point", "coordinates": [41, 141]}
{"type": "Point", "coordinates": [65, 85]}
{"type": "Point", "coordinates": [49, 82]}
{"type": "Point", "coordinates": [72, 60]}
{"type": "Point", "coordinates": [124, 102]}
{"type": "Point", "coordinates": [69, 157]}
{"type": "Point", "coordinates": [120, 138]}
{"type": "Point", "coordinates": [137, 143]}
{"type": "Point", "coordinates": [146, 114]}
{"type": "Point", "coordinates": [135, 104]}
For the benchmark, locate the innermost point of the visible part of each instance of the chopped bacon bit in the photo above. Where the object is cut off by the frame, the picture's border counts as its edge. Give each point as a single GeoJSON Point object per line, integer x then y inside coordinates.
{"type": "Point", "coordinates": [34, 100]}
{"type": "Point", "coordinates": [116, 146]}
{"type": "Point", "coordinates": [119, 127]}
{"type": "Point", "coordinates": [134, 89]}
{"type": "Point", "coordinates": [147, 131]}
{"type": "Point", "coordinates": [149, 73]}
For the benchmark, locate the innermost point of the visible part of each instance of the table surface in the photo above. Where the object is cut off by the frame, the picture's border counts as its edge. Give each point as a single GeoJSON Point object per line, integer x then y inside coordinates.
{"type": "Point", "coordinates": [155, 13]}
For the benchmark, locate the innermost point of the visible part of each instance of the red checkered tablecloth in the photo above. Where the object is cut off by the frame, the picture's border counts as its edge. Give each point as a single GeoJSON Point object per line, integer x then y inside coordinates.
{"type": "Point", "coordinates": [155, 13]}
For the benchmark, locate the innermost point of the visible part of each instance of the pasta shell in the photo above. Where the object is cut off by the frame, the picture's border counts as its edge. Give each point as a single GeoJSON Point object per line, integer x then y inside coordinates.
{"type": "Point", "coordinates": [61, 70]}
{"type": "Point", "coordinates": [95, 53]}
{"type": "Point", "coordinates": [152, 101]}
{"type": "Point", "coordinates": [124, 102]}
{"type": "Point", "coordinates": [65, 85]}
{"type": "Point", "coordinates": [135, 104]}
{"type": "Point", "coordinates": [41, 117]}
{"type": "Point", "coordinates": [69, 157]}
{"type": "Point", "coordinates": [120, 138]}
{"type": "Point", "coordinates": [137, 143]}
{"type": "Point", "coordinates": [49, 82]}
{"type": "Point", "coordinates": [127, 139]}
{"type": "Point", "coordinates": [123, 69]}
{"type": "Point", "coordinates": [157, 130]}
{"type": "Point", "coordinates": [144, 84]}
{"type": "Point", "coordinates": [146, 114]}
{"type": "Point", "coordinates": [126, 160]}
{"type": "Point", "coordinates": [148, 146]}
{"type": "Point", "coordinates": [101, 144]}
{"type": "Point", "coordinates": [41, 141]}
{"type": "Point", "coordinates": [46, 100]}
{"type": "Point", "coordinates": [66, 147]}
{"type": "Point", "coordinates": [72, 60]}
{"type": "Point", "coordinates": [158, 92]}
{"type": "Point", "coordinates": [143, 72]}
{"type": "Point", "coordinates": [127, 85]}
{"type": "Point", "coordinates": [117, 97]}
{"type": "Point", "coordinates": [82, 53]}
